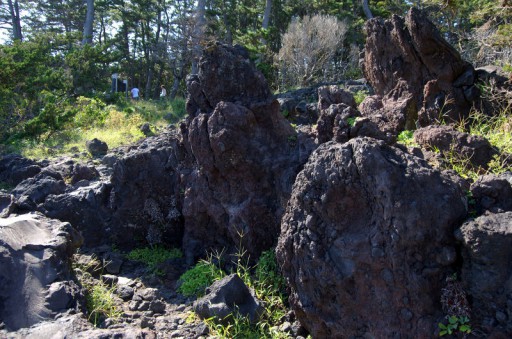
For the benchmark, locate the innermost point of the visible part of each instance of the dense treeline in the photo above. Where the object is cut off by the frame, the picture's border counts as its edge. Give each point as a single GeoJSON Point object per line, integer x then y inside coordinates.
{"type": "Point", "coordinates": [58, 50]}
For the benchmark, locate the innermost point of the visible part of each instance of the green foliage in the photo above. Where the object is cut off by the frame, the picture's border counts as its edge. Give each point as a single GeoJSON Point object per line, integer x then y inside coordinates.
{"type": "Point", "coordinates": [152, 256]}
{"type": "Point", "coordinates": [351, 121]}
{"type": "Point", "coordinates": [264, 278]}
{"type": "Point", "coordinates": [359, 96]}
{"type": "Point", "coordinates": [89, 112]}
{"type": "Point", "coordinates": [100, 303]}
{"type": "Point", "coordinates": [99, 297]}
{"type": "Point", "coordinates": [195, 281]}
{"type": "Point", "coordinates": [406, 138]}
{"type": "Point", "coordinates": [455, 324]}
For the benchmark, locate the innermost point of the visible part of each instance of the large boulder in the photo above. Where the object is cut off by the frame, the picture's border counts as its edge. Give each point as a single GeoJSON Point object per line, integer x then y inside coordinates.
{"type": "Point", "coordinates": [367, 241]}
{"type": "Point", "coordinates": [35, 255]}
{"type": "Point", "coordinates": [486, 271]}
{"type": "Point", "coordinates": [409, 59]}
{"type": "Point", "coordinates": [246, 157]}
{"type": "Point", "coordinates": [86, 208]}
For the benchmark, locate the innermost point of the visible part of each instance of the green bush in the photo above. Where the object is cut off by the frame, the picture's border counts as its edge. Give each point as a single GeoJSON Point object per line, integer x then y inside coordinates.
{"type": "Point", "coordinates": [89, 112]}
{"type": "Point", "coordinates": [406, 138]}
{"type": "Point", "coordinates": [195, 281]}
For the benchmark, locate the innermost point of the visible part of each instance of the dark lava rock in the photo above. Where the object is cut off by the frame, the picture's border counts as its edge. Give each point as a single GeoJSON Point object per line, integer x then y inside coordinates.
{"type": "Point", "coordinates": [412, 58]}
{"type": "Point", "coordinates": [476, 149]}
{"type": "Point", "coordinates": [493, 193]}
{"type": "Point", "coordinates": [226, 297]}
{"type": "Point", "coordinates": [486, 270]}
{"type": "Point", "coordinates": [361, 240]}
{"type": "Point", "coordinates": [96, 147]}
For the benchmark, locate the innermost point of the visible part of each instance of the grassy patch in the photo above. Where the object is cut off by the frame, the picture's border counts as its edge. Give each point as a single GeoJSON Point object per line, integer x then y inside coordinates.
{"type": "Point", "coordinates": [115, 124]}
{"type": "Point", "coordinates": [359, 96]}
{"type": "Point", "coordinates": [195, 281]}
{"type": "Point", "coordinates": [267, 283]}
{"type": "Point", "coordinates": [100, 303]}
{"type": "Point", "coordinates": [152, 256]}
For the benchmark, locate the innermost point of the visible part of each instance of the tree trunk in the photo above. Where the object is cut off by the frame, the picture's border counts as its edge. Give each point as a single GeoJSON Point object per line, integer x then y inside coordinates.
{"type": "Point", "coordinates": [14, 10]}
{"type": "Point", "coordinates": [89, 21]}
{"type": "Point", "coordinates": [366, 9]}
{"type": "Point", "coordinates": [266, 14]}
{"type": "Point", "coordinates": [198, 34]}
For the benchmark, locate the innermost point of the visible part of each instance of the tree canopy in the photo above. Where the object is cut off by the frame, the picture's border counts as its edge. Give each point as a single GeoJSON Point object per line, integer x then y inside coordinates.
{"type": "Point", "coordinates": [71, 48]}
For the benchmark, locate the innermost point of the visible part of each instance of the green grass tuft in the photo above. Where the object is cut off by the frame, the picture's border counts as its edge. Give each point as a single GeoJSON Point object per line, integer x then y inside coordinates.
{"type": "Point", "coordinates": [152, 256]}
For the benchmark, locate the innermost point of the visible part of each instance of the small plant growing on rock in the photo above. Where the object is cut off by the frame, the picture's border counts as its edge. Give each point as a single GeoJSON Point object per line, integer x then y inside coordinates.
{"type": "Point", "coordinates": [460, 324]}
{"type": "Point", "coordinates": [99, 297]}
{"type": "Point", "coordinates": [455, 304]}
{"type": "Point", "coordinates": [101, 304]}
{"type": "Point", "coordinates": [406, 138]}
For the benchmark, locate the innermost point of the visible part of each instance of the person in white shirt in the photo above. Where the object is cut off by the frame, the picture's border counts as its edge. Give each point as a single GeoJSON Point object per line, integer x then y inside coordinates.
{"type": "Point", "coordinates": [135, 93]}
{"type": "Point", "coordinates": [163, 93]}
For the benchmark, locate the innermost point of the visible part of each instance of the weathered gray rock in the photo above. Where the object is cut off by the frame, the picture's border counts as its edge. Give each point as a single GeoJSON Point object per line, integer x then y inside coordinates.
{"type": "Point", "coordinates": [226, 297]}
{"type": "Point", "coordinates": [7, 204]}
{"type": "Point", "coordinates": [362, 233]}
{"type": "Point", "coordinates": [486, 270]}
{"type": "Point", "coordinates": [86, 208]}
{"type": "Point", "coordinates": [33, 191]}
{"type": "Point", "coordinates": [35, 255]}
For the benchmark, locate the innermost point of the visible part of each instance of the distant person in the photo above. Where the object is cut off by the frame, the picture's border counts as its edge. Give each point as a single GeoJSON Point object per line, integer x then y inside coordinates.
{"type": "Point", "coordinates": [163, 92]}
{"type": "Point", "coordinates": [135, 93]}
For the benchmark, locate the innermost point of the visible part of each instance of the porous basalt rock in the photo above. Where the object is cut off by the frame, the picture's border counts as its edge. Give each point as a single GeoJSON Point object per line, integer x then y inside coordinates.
{"type": "Point", "coordinates": [476, 150]}
{"type": "Point", "coordinates": [246, 157]}
{"type": "Point", "coordinates": [493, 193]}
{"type": "Point", "coordinates": [361, 233]}
{"type": "Point", "coordinates": [409, 56]}
{"type": "Point", "coordinates": [486, 271]}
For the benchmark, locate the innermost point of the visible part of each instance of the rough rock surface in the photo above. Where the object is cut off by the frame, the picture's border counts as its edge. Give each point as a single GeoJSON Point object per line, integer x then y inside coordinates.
{"type": "Point", "coordinates": [336, 107]}
{"type": "Point", "coordinates": [246, 156]}
{"type": "Point", "coordinates": [410, 57]}
{"type": "Point", "coordinates": [361, 233]}
{"type": "Point", "coordinates": [14, 169]}
{"type": "Point", "coordinates": [96, 147]}
{"type": "Point", "coordinates": [493, 193]}
{"type": "Point", "coordinates": [229, 66]}
{"type": "Point", "coordinates": [486, 270]}
{"type": "Point", "coordinates": [226, 297]}
{"type": "Point", "coordinates": [145, 200]}
{"type": "Point", "coordinates": [35, 255]}
{"type": "Point", "coordinates": [476, 149]}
